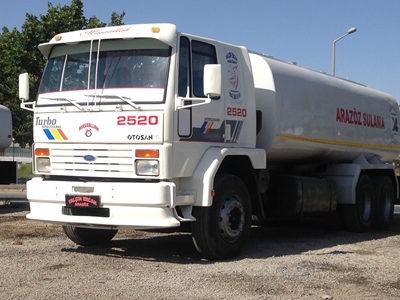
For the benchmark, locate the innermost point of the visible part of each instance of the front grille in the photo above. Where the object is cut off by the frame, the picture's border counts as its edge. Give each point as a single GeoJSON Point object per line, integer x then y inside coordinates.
{"type": "Point", "coordinates": [105, 162]}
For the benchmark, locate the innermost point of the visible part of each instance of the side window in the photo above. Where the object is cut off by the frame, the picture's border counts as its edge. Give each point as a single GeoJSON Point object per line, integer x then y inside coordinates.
{"type": "Point", "coordinates": [191, 66]}
{"type": "Point", "coordinates": [202, 54]}
{"type": "Point", "coordinates": [184, 63]}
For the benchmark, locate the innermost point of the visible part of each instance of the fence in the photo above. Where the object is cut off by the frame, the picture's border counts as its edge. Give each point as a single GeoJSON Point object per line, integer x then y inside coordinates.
{"type": "Point", "coordinates": [22, 155]}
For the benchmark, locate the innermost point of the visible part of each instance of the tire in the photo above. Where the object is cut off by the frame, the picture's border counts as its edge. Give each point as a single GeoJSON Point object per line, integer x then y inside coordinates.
{"type": "Point", "coordinates": [359, 217]}
{"type": "Point", "coordinates": [384, 199]}
{"type": "Point", "coordinates": [221, 230]}
{"type": "Point", "coordinates": [89, 236]}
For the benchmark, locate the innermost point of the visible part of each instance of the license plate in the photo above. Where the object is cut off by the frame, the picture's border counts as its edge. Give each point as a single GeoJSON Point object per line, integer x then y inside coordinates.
{"type": "Point", "coordinates": [82, 201]}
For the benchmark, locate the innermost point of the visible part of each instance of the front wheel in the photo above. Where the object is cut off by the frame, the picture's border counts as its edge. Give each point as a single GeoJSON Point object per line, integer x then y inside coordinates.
{"type": "Point", "coordinates": [89, 236]}
{"type": "Point", "coordinates": [221, 230]}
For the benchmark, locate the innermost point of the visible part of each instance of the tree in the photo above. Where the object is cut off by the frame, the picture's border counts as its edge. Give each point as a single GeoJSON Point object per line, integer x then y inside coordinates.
{"type": "Point", "coordinates": [116, 19]}
{"type": "Point", "coordinates": [19, 54]}
{"type": "Point", "coordinates": [11, 60]}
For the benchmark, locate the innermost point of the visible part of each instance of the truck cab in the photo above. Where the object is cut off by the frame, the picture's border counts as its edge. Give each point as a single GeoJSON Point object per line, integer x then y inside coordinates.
{"type": "Point", "coordinates": [131, 126]}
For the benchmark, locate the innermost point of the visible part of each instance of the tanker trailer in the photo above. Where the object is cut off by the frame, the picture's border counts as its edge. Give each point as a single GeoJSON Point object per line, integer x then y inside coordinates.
{"type": "Point", "coordinates": [329, 142]}
{"type": "Point", "coordinates": [5, 128]}
{"type": "Point", "coordinates": [8, 168]}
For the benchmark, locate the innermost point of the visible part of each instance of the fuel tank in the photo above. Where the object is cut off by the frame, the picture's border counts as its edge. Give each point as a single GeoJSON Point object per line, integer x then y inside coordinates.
{"type": "Point", "coordinates": [311, 117]}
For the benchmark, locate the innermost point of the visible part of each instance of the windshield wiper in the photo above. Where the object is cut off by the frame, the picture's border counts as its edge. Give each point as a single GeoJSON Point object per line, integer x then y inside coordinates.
{"type": "Point", "coordinates": [80, 107]}
{"type": "Point", "coordinates": [125, 99]}
{"type": "Point", "coordinates": [73, 102]}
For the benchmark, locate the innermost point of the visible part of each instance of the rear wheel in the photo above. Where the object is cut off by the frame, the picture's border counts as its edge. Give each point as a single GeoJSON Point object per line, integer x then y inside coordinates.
{"type": "Point", "coordinates": [89, 236]}
{"type": "Point", "coordinates": [221, 230]}
{"type": "Point", "coordinates": [359, 217]}
{"type": "Point", "coordinates": [384, 198]}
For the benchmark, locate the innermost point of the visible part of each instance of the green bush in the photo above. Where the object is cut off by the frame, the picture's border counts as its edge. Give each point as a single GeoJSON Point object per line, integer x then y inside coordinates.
{"type": "Point", "coordinates": [25, 171]}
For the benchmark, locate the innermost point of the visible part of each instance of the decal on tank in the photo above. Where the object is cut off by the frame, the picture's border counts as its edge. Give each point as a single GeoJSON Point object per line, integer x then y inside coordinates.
{"type": "Point", "coordinates": [355, 117]}
{"type": "Point", "coordinates": [395, 123]}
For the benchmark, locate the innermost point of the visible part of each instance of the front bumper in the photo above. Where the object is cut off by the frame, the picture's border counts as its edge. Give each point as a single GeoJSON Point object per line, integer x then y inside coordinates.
{"type": "Point", "coordinates": [131, 205]}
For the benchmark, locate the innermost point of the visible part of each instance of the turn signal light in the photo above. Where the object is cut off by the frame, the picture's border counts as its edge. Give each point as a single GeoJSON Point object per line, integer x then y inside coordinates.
{"type": "Point", "coordinates": [149, 153]}
{"type": "Point", "coordinates": [42, 152]}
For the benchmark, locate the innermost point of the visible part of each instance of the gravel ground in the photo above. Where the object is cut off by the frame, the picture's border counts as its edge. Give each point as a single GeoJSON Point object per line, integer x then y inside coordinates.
{"type": "Point", "coordinates": [296, 260]}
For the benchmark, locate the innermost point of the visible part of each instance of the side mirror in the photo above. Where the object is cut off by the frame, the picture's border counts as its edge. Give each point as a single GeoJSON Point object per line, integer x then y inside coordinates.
{"type": "Point", "coordinates": [24, 87]}
{"type": "Point", "coordinates": [212, 80]}
{"type": "Point", "coordinates": [212, 86]}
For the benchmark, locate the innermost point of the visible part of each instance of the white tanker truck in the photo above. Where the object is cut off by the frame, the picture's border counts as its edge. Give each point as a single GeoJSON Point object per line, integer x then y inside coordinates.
{"type": "Point", "coordinates": [143, 127]}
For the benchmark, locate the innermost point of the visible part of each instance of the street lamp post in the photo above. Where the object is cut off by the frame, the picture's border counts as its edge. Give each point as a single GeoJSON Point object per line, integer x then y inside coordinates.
{"type": "Point", "coordinates": [350, 31]}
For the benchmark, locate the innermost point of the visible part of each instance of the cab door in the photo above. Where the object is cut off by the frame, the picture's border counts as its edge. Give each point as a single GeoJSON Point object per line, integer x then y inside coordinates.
{"type": "Point", "coordinates": [204, 123]}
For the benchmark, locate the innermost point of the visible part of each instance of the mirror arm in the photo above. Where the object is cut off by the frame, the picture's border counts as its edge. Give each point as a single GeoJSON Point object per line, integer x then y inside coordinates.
{"type": "Point", "coordinates": [181, 100]}
{"type": "Point", "coordinates": [23, 105]}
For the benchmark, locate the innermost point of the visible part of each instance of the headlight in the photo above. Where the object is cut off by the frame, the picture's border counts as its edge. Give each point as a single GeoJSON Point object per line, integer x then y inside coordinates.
{"type": "Point", "coordinates": [43, 164]}
{"type": "Point", "coordinates": [145, 167]}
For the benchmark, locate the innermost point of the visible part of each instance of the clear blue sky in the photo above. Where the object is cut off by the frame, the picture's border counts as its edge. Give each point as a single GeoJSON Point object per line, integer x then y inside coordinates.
{"type": "Point", "coordinates": [292, 30]}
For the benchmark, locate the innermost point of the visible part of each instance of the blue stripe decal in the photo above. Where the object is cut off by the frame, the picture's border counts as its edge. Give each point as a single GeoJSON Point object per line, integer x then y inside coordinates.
{"type": "Point", "coordinates": [49, 135]}
{"type": "Point", "coordinates": [201, 130]}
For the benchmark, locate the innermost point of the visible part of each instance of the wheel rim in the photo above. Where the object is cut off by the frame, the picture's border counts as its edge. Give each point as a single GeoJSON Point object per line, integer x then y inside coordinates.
{"type": "Point", "coordinates": [366, 205]}
{"type": "Point", "coordinates": [231, 219]}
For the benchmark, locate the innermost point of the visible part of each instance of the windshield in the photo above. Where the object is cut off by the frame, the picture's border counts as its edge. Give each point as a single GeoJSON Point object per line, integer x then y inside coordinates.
{"type": "Point", "coordinates": [111, 64]}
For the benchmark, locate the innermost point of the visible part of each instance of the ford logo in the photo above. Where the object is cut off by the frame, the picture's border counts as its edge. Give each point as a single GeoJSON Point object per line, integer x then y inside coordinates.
{"type": "Point", "coordinates": [89, 157]}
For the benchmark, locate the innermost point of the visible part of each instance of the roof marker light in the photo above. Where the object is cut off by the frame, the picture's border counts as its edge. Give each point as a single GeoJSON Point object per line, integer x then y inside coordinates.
{"type": "Point", "coordinates": [155, 29]}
